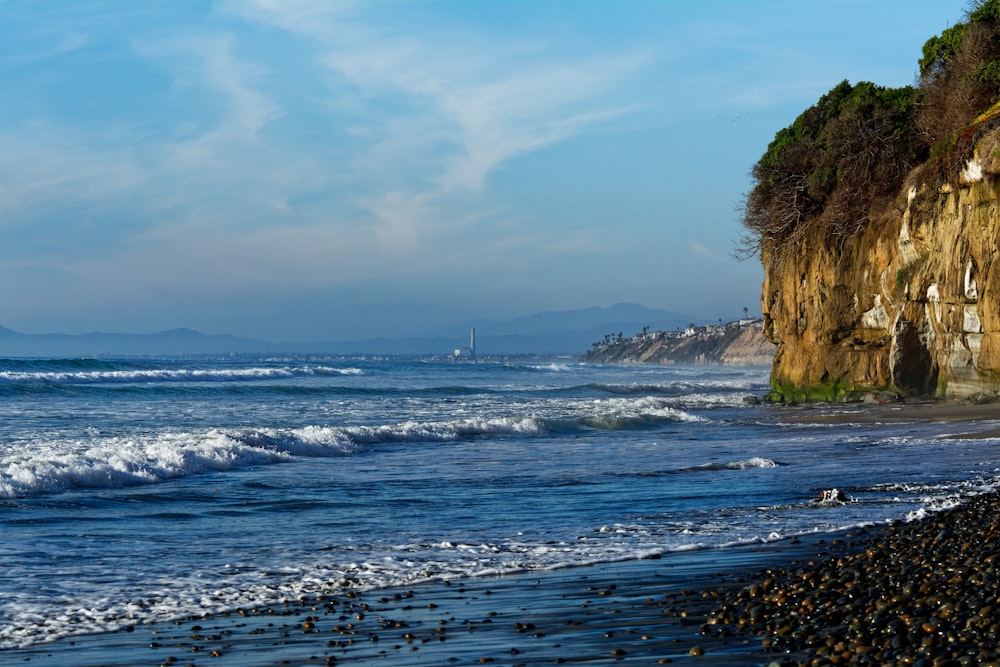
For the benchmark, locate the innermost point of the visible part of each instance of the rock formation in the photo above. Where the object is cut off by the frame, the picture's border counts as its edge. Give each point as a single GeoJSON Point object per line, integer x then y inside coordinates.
{"type": "Point", "coordinates": [908, 304]}
{"type": "Point", "coordinates": [877, 218]}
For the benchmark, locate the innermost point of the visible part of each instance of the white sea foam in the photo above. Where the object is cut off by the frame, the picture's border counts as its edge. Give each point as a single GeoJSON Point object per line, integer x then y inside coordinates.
{"type": "Point", "coordinates": [617, 412]}
{"type": "Point", "coordinates": [119, 462]}
{"type": "Point", "coordinates": [748, 464]}
{"type": "Point", "coordinates": [47, 468]}
{"type": "Point", "coordinates": [755, 462]}
{"type": "Point", "coordinates": [705, 400]}
{"type": "Point", "coordinates": [171, 375]}
{"type": "Point", "coordinates": [444, 431]}
{"type": "Point", "coordinates": [166, 597]}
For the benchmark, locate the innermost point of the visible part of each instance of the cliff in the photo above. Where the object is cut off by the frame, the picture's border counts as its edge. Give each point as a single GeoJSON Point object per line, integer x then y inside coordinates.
{"type": "Point", "coordinates": [908, 304]}
{"type": "Point", "coordinates": [750, 348]}
{"type": "Point", "coordinates": [732, 346]}
{"type": "Point", "coordinates": [877, 218]}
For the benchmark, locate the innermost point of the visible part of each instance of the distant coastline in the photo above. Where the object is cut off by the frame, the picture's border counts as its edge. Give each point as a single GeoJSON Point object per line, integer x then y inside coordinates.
{"type": "Point", "coordinates": [737, 343]}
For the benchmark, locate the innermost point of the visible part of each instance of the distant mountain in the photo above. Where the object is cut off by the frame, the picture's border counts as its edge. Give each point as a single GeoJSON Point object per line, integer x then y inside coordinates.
{"type": "Point", "coordinates": [165, 343]}
{"type": "Point", "coordinates": [548, 333]}
{"type": "Point", "coordinates": [568, 332]}
{"type": "Point", "coordinates": [621, 315]}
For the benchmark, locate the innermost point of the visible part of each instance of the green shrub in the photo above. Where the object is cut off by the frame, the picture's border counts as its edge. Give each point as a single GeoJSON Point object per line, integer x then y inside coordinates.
{"type": "Point", "coordinates": [854, 147]}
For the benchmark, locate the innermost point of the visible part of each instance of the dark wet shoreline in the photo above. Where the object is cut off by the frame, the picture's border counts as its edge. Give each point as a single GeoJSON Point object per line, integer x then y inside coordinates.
{"type": "Point", "coordinates": [637, 612]}
{"type": "Point", "coordinates": [919, 593]}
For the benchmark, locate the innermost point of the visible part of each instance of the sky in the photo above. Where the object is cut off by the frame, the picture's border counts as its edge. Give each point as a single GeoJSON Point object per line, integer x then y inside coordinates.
{"type": "Point", "coordinates": [303, 171]}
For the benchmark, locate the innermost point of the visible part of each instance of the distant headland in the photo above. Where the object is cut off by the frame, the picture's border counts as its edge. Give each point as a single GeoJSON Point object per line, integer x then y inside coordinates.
{"type": "Point", "coordinates": [736, 343]}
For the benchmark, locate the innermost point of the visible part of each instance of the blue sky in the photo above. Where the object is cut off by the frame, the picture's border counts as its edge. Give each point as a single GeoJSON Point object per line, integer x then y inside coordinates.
{"type": "Point", "coordinates": [300, 171]}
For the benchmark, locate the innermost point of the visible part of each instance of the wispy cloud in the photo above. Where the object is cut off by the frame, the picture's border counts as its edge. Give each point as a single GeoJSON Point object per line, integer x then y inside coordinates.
{"type": "Point", "coordinates": [409, 128]}
{"type": "Point", "coordinates": [463, 107]}
{"type": "Point", "coordinates": [204, 66]}
{"type": "Point", "coordinates": [703, 250]}
{"type": "Point", "coordinates": [62, 46]}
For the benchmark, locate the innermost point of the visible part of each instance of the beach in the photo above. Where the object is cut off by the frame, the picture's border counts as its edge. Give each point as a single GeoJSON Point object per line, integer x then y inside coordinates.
{"type": "Point", "coordinates": [253, 512]}
{"type": "Point", "coordinates": [651, 611]}
{"type": "Point", "coordinates": [919, 593]}
{"type": "Point", "coordinates": [979, 418]}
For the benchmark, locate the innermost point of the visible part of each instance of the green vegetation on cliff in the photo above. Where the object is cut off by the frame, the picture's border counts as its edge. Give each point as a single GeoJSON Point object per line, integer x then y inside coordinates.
{"type": "Point", "coordinates": [851, 148]}
{"type": "Point", "coordinates": [842, 159]}
{"type": "Point", "coordinates": [876, 215]}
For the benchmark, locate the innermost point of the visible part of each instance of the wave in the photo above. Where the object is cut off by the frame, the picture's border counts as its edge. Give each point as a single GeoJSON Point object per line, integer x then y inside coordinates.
{"type": "Point", "coordinates": [748, 464]}
{"type": "Point", "coordinates": [37, 469]}
{"type": "Point", "coordinates": [315, 440]}
{"type": "Point", "coordinates": [553, 367]}
{"type": "Point", "coordinates": [618, 422]}
{"type": "Point", "coordinates": [116, 375]}
{"type": "Point", "coordinates": [123, 462]}
{"type": "Point", "coordinates": [678, 388]}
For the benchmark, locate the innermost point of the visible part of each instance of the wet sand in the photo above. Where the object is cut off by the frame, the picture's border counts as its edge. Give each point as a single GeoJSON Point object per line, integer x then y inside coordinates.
{"type": "Point", "coordinates": [638, 612]}
{"type": "Point", "coordinates": [983, 418]}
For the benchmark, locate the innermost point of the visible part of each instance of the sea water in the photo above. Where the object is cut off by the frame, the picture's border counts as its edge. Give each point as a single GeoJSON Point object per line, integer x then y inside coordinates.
{"type": "Point", "coordinates": [140, 491]}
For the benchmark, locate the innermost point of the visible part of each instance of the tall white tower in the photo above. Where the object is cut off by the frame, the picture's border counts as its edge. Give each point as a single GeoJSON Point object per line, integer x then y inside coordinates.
{"type": "Point", "coordinates": [472, 343]}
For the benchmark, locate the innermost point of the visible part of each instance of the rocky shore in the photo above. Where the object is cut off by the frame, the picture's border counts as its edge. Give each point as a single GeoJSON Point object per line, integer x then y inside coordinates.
{"type": "Point", "coordinates": [927, 594]}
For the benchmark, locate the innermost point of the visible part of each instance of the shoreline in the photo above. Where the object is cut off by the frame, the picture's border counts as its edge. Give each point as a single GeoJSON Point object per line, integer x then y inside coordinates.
{"type": "Point", "coordinates": [882, 595]}
{"type": "Point", "coordinates": [650, 611]}
{"type": "Point", "coordinates": [695, 607]}
{"type": "Point", "coordinates": [978, 415]}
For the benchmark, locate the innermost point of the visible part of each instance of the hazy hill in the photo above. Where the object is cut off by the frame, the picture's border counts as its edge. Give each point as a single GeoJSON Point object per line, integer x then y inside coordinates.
{"type": "Point", "coordinates": [167, 343]}
{"type": "Point", "coordinates": [548, 333]}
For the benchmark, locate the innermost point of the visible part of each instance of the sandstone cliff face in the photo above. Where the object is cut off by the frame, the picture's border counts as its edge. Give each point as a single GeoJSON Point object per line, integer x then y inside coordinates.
{"type": "Point", "coordinates": [911, 304]}
{"type": "Point", "coordinates": [751, 348]}
{"type": "Point", "coordinates": [733, 347]}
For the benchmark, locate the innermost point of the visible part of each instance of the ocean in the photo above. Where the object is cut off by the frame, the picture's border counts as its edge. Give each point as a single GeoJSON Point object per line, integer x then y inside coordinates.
{"type": "Point", "coordinates": [144, 491]}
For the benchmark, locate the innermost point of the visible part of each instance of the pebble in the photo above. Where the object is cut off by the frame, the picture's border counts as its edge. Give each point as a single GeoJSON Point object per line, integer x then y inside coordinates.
{"type": "Point", "coordinates": [924, 594]}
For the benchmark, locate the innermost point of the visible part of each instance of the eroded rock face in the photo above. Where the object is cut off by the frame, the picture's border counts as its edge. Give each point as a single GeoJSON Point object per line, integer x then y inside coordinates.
{"type": "Point", "coordinates": [910, 304]}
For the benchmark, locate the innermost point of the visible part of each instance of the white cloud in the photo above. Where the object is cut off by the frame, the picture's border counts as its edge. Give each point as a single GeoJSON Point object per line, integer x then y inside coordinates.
{"type": "Point", "coordinates": [463, 106]}
{"type": "Point", "coordinates": [205, 67]}
{"type": "Point", "coordinates": [63, 45]}
{"type": "Point", "coordinates": [703, 250]}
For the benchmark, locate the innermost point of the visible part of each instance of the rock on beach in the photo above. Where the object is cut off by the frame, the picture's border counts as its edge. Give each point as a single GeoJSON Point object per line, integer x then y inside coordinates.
{"type": "Point", "coordinates": [926, 594]}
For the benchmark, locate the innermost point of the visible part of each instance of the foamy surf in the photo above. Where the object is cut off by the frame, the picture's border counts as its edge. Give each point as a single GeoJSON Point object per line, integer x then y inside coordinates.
{"type": "Point", "coordinates": [171, 375]}
{"type": "Point", "coordinates": [153, 490]}
{"type": "Point", "coordinates": [752, 463]}
{"type": "Point", "coordinates": [123, 462]}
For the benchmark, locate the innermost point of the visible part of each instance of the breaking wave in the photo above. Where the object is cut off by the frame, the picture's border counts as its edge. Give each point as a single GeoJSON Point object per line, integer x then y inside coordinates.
{"type": "Point", "coordinates": [748, 464]}
{"type": "Point", "coordinates": [121, 462]}
{"type": "Point", "coordinates": [122, 376]}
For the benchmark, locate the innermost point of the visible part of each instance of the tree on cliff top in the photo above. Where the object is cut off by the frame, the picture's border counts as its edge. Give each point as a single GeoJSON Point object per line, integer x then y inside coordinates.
{"type": "Point", "coordinates": [823, 171]}
{"type": "Point", "coordinates": [960, 73]}
{"type": "Point", "coordinates": [854, 147]}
